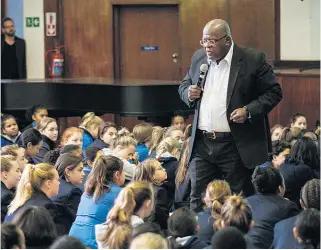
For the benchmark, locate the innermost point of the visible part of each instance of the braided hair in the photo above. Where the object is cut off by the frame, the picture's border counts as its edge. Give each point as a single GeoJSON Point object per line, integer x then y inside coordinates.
{"type": "Point", "coordinates": [310, 194]}
{"type": "Point", "coordinates": [267, 180]}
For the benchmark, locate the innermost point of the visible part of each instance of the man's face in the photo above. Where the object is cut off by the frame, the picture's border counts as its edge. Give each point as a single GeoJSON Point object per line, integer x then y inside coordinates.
{"type": "Point", "coordinates": [9, 28]}
{"type": "Point", "coordinates": [219, 49]}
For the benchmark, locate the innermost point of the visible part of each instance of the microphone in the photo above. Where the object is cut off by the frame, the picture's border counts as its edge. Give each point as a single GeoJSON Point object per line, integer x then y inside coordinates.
{"type": "Point", "coordinates": [203, 70]}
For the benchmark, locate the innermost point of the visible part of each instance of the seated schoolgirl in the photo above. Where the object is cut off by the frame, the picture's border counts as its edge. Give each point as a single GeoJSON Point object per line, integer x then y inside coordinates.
{"type": "Point", "coordinates": [101, 189]}
{"type": "Point", "coordinates": [31, 141]}
{"type": "Point", "coordinates": [143, 134]}
{"type": "Point", "coordinates": [49, 132]}
{"type": "Point", "coordinates": [90, 124]}
{"type": "Point", "coordinates": [70, 170]}
{"type": "Point", "coordinates": [34, 115]}
{"type": "Point", "coordinates": [151, 171]}
{"type": "Point", "coordinates": [10, 177]}
{"type": "Point", "coordinates": [9, 130]}
{"type": "Point", "coordinates": [37, 185]}
{"type": "Point", "coordinates": [182, 228]}
{"type": "Point", "coordinates": [134, 203]}
{"type": "Point", "coordinates": [107, 132]}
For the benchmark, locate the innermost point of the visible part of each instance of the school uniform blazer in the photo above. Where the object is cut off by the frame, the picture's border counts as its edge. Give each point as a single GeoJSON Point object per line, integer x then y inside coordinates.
{"type": "Point", "coordinates": [295, 176]}
{"type": "Point", "coordinates": [47, 145]}
{"type": "Point", "coordinates": [67, 201]}
{"type": "Point", "coordinates": [205, 222]}
{"type": "Point", "coordinates": [251, 83]}
{"type": "Point", "coordinates": [6, 197]}
{"type": "Point", "coordinates": [283, 234]}
{"type": "Point", "coordinates": [182, 193]}
{"type": "Point", "coordinates": [160, 213]}
{"type": "Point", "coordinates": [192, 242]}
{"type": "Point", "coordinates": [40, 199]}
{"type": "Point", "coordinates": [267, 210]}
{"type": "Point", "coordinates": [171, 165]}
{"type": "Point", "coordinates": [98, 143]}
{"type": "Point", "coordinates": [6, 140]}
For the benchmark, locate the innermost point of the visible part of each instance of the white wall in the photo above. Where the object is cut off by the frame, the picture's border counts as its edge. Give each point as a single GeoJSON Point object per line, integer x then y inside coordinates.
{"type": "Point", "coordinates": [300, 30]}
{"type": "Point", "coordinates": [34, 39]}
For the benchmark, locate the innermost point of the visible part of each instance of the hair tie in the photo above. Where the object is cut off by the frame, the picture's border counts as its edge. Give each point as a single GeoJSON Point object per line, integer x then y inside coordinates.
{"type": "Point", "coordinates": [33, 167]}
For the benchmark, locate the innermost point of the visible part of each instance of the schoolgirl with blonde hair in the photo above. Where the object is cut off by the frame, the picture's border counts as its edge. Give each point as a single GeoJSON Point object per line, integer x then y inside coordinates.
{"type": "Point", "coordinates": [157, 137]}
{"type": "Point", "coordinates": [90, 124]}
{"type": "Point", "coordinates": [133, 204]}
{"type": "Point", "coordinates": [17, 151]}
{"type": "Point", "coordinates": [10, 177]}
{"type": "Point", "coordinates": [216, 193]}
{"type": "Point", "coordinates": [151, 171]}
{"type": "Point", "coordinates": [37, 184]}
{"type": "Point", "coordinates": [124, 147]}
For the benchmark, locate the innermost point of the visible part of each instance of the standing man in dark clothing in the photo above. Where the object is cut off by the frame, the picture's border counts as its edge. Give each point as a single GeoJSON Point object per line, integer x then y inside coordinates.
{"type": "Point", "coordinates": [13, 52]}
{"type": "Point", "coordinates": [230, 129]}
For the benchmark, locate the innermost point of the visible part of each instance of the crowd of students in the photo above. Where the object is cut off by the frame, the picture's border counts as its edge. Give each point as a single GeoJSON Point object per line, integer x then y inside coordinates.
{"type": "Point", "coordinates": [100, 186]}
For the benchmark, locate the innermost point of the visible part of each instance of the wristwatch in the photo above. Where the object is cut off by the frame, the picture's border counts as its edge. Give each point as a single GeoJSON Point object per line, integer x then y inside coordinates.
{"type": "Point", "coordinates": [247, 112]}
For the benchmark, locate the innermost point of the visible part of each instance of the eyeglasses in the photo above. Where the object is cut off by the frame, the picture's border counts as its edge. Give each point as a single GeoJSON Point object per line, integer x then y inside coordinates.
{"type": "Point", "coordinates": [203, 42]}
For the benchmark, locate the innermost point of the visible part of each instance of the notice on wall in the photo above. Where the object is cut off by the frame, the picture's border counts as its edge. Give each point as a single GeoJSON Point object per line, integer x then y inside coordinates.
{"type": "Point", "coordinates": [51, 24]}
{"type": "Point", "coordinates": [32, 22]}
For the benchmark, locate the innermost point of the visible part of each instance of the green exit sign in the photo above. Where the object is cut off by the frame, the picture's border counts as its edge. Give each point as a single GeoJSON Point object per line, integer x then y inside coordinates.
{"type": "Point", "coordinates": [32, 22]}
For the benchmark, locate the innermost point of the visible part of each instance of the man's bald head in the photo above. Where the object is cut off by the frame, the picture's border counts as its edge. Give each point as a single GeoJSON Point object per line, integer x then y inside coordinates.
{"type": "Point", "coordinates": [217, 26]}
{"type": "Point", "coordinates": [218, 33]}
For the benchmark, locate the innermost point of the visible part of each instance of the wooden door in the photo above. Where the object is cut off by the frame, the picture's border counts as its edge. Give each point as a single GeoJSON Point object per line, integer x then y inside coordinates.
{"type": "Point", "coordinates": [146, 38]}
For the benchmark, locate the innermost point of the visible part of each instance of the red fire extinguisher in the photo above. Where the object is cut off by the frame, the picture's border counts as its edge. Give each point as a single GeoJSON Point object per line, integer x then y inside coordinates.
{"type": "Point", "coordinates": [56, 65]}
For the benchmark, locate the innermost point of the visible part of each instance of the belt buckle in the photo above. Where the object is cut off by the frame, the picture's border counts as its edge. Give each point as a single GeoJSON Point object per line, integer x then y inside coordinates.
{"type": "Point", "coordinates": [214, 135]}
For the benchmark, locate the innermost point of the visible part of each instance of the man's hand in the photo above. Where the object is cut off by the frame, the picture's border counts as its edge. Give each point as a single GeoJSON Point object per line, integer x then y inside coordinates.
{"type": "Point", "coordinates": [239, 115]}
{"type": "Point", "coordinates": [194, 92]}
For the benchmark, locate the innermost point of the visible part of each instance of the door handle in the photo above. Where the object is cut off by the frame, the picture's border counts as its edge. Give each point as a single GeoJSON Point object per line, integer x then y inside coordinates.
{"type": "Point", "coordinates": [175, 57]}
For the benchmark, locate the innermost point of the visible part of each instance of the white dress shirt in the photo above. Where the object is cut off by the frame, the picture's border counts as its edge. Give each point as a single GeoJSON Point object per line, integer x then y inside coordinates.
{"type": "Point", "coordinates": [212, 115]}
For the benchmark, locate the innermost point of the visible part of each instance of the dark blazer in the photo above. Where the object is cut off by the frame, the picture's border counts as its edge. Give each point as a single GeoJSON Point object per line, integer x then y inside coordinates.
{"type": "Point", "coordinates": [6, 197]}
{"type": "Point", "coordinates": [267, 210]}
{"type": "Point", "coordinates": [252, 83]}
{"type": "Point", "coordinates": [21, 55]}
{"type": "Point", "coordinates": [47, 145]}
{"type": "Point", "coordinates": [194, 243]}
{"type": "Point", "coordinates": [98, 143]}
{"type": "Point", "coordinates": [170, 164]}
{"type": "Point", "coordinates": [205, 222]}
{"type": "Point", "coordinates": [295, 176]}
{"type": "Point", "coordinates": [160, 213]}
{"type": "Point", "coordinates": [182, 193]}
{"type": "Point", "coordinates": [38, 198]}
{"type": "Point", "coordinates": [67, 201]}
{"type": "Point", "coordinates": [283, 235]}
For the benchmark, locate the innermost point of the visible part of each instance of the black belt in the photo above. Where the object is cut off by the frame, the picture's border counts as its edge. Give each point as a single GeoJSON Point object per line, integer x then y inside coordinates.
{"type": "Point", "coordinates": [214, 135]}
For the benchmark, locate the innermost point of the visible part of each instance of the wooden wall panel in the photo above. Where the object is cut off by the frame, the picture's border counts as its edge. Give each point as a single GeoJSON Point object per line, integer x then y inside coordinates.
{"type": "Point", "coordinates": [4, 8]}
{"type": "Point", "coordinates": [300, 94]}
{"type": "Point", "coordinates": [253, 25]}
{"type": "Point", "coordinates": [194, 14]}
{"type": "Point", "coordinates": [88, 37]}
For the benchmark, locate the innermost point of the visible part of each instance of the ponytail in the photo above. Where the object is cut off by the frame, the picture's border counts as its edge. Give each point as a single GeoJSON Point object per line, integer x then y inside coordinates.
{"type": "Point", "coordinates": [90, 119]}
{"type": "Point", "coordinates": [169, 145]}
{"type": "Point", "coordinates": [157, 137]}
{"type": "Point", "coordinates": [31, 180]}
{"type": "Point", "coordinates": [236, 213]}
{"type": "Point", "coordinates": [128, 202]}
{"type": "Point", "coordinates": [216, 193]}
